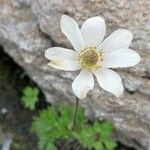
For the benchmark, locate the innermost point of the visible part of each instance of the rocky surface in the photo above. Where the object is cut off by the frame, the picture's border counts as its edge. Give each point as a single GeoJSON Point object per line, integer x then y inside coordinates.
{"type": "Point", "coordinates": [28, 27]}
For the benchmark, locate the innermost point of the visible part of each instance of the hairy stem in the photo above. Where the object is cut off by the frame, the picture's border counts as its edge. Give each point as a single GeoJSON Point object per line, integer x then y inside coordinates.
{"type": "Point", "coordinates": [75, 114]}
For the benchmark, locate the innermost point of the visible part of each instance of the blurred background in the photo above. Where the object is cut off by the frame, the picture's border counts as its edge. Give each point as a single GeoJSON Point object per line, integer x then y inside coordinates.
{"type": "Point", "coordinates": [28, 28]}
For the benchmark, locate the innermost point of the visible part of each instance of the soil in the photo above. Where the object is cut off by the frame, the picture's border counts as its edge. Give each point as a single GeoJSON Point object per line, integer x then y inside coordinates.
{"type": "Point", "coordinates": [15, 119]}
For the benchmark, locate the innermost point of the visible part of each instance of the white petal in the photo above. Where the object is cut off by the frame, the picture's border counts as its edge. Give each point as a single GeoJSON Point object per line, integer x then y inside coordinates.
{"type": "Point", "coordinates": [70, 28]}
{"type": "Point", "coordinates": [110, 81]}
{"type": "Point", "coordinates": [63, 59]}
{"type": "Point", "coordinates": [93, 31]}
{"type": "Point", "coordinates": [82, 84]}
{"type": "Point", "coordinates": [121, 58]}
{"type": "Point", "coordinates": [120, 39]}
{"type": "Point", "coordinates": [59, 53]}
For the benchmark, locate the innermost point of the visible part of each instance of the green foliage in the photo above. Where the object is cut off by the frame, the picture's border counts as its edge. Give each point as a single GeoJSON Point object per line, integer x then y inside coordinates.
{"type": "Point", "coordinates": [30, 97]}
{"type": "Point", "coordinates": [55, 124]}
{"type": "Point", "coordinates": [98, 136]}
{"type": "Point", "coordinates": [52, 125]}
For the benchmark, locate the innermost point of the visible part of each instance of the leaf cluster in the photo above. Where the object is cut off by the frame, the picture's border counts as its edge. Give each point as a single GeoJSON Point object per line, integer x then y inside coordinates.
{"type": "Point", "coordinates": [98, 136]}
{"type": "Point", "coordinates": [53, 124]}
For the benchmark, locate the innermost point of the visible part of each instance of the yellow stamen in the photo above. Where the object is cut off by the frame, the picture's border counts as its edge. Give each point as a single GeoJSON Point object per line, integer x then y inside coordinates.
{"type": "Point", "coordinates": [90, 58]}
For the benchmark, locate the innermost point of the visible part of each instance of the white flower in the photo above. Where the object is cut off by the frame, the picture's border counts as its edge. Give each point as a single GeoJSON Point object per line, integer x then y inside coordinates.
{"type": "Point", "coordinates": [93, 55]}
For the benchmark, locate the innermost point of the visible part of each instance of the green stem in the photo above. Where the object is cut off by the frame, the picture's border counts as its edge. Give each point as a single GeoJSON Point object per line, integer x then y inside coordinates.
{"type": "Point", "coordinates": [75, 114]}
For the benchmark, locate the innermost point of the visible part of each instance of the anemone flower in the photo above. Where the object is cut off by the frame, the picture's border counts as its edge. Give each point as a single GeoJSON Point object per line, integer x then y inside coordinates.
{"type": "Point", "coordinates": [93, 55]}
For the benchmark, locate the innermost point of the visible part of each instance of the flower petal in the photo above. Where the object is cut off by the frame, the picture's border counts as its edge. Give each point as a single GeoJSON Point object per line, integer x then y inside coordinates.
{"type": "Point", "coordinates": [121, 58]}
{"type": "Point", "coordinates": [110, 81]}
{"type": "Point", "coordinates": [70, 28]}
{"type": "Point", "coordinates": [82, 84]}
{"type": "Point", "coordinates": [93, 31]}
{"type": "Point", "coordinates": [63, 59]}
{"type": "Point", "coordinates": [120, 39]}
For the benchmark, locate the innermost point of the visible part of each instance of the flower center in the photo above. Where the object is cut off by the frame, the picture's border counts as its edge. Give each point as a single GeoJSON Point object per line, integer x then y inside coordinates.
{"type": "Point", "coordinates": [90, 58]}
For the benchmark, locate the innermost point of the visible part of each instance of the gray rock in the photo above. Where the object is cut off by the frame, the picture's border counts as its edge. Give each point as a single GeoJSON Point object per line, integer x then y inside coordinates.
{"type": "Point", "coordinates": [28, 27]}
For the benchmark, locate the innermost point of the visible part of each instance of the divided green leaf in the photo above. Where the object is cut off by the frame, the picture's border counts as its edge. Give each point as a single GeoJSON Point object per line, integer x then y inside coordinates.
{"type": "Point", "coordinates": [30, 97]}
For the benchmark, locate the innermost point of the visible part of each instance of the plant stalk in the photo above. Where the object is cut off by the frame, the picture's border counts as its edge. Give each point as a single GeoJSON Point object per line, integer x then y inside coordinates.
{"type": "Point", "coordinates": [75, 114]}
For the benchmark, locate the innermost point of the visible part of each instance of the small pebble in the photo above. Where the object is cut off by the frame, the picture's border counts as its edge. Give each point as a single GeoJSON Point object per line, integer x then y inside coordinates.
{"type": "Point", "coordinates": [4, 111]}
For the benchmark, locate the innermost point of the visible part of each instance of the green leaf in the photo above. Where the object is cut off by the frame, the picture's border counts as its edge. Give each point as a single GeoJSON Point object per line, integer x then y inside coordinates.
{"type": "Point", "coordinates": [46, 145]}
{"type": "Point", "coordinates": [107, 126]}
{"type": "Point", "coordinates": [30, 97]}
{"type": "Point", "coordinates": [50, 146]}
{"type": "Point", "coordinates": [66, 114]}
{"type": "Point", "coordinates": [86, 136]}
{"type": "Point", "coordinates": [97, 135]}
{"type": "Point", "coordinates": [52, 125]}
{"type": "Point", "coordinates": [107, 130]}
{"type": "Point", "coordinates": [110, 145]}
{"type": "Point", "coordinates": [98, 146]}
